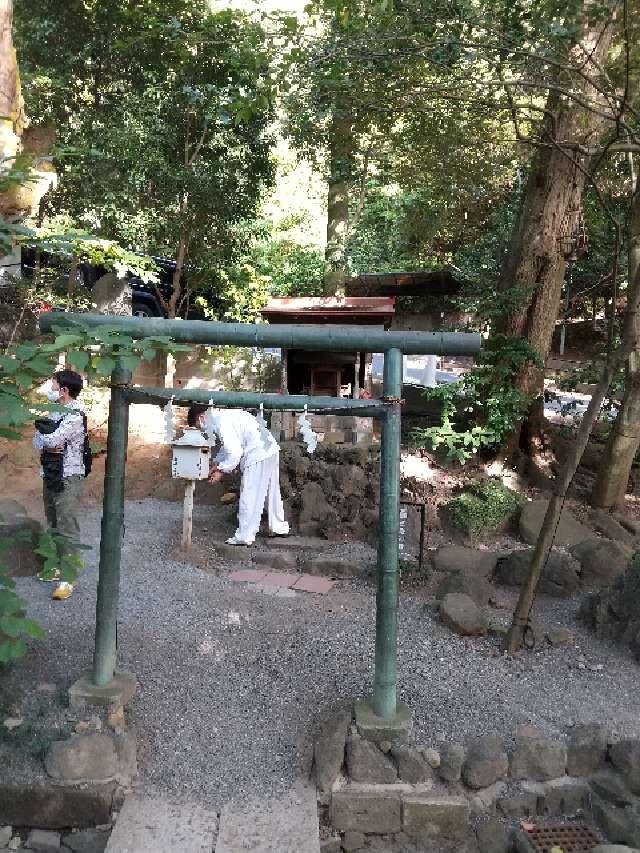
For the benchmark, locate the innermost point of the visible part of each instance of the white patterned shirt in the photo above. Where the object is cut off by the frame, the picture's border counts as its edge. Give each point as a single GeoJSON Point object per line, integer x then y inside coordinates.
{"type": "Point", "coordinates": [243, 442]}
{"type": "Point", "coordinates": [70, 435]}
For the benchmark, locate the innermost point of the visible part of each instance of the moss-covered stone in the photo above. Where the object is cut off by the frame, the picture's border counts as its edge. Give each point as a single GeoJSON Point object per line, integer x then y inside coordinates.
{"type": "Point", "coordinates": [482, 509]}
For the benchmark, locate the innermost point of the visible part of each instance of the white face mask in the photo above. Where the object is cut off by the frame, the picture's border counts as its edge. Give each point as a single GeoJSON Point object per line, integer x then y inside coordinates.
{"type": "Point", "coordinates": [53, 396]}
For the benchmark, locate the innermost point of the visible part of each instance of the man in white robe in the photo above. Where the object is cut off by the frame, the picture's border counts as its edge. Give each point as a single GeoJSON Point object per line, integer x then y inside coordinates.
{"type": "Point", "coordinates": [249, 445]}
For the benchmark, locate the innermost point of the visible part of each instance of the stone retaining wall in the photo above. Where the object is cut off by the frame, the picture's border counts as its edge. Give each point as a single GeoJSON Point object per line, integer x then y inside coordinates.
{"type": "Point", "coordinates": [472, 796]}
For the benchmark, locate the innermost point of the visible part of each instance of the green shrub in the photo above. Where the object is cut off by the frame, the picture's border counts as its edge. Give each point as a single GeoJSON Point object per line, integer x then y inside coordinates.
{"type": "Point", "coordinates": [482, 408]}
{"type": "Point", "coordinates": [482, 509]}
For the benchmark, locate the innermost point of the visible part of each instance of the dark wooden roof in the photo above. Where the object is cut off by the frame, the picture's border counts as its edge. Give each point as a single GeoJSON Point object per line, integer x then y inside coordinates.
{"type": "Point", "coordinates": [329, 309]}
{"type": "Point", "coordinates": [417, 283]}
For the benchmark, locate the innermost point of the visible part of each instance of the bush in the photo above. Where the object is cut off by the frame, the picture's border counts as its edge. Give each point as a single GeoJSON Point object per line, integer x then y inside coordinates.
{"type": "Point", "coordinates": [482, 509]}
{"type": "Point", "coordinates": [482, 408]}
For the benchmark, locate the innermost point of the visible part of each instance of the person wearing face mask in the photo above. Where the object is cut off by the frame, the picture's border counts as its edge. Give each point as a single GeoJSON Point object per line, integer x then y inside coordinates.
{"type": "Point", "coordinates": [60, 439]}
{"type": "Point", "coordinates": [246, 443]}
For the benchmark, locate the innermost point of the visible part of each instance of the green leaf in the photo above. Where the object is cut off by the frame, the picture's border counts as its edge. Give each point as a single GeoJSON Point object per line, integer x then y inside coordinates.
{"type": "Point", "coordinates": [12, 649]}
{"type": "Point", "coordinates": [105, 365]}
{"type": "Point", "coordinates": [12, 626]}
{"type": "Point", "coordinates": [78, 359]}
{"type": "Point", "coordinates": [11, 434]}
{"type": "Point", "coordinates": [8, 365]}
{"type": "Point", "coordinates": [129, 362]}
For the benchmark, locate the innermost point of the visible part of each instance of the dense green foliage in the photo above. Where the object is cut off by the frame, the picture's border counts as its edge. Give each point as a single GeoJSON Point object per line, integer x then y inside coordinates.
{"type": "Point", "coordinates": [480, 409]}
{"type": "Point", "coordinates": [161, 113]}
{"type": "Point", "coordinates": [482, 509]}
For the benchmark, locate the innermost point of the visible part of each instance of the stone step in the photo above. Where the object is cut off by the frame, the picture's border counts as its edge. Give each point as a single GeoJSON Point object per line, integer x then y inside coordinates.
{"type": "Point", "coordinates": [155, 823]}
{"type": "Point", "coordinates": [293, 543]}
{"type": "Point", "coordinates": [287, 824]}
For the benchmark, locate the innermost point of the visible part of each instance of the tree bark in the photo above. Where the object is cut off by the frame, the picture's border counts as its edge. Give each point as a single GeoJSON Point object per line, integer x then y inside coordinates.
{"type": "Point", "coordinates": [174, 301]}
{"type": "Point", "coordinates": [613, 474]}
{"type": "Point", "coordinates": [547, 221]}
{"type": "Point", "coordinates": [11, 105]}
{"type": "Point", "coordinates": [340, 156]}
{"type": "Point", "coordinates": [544, 544]}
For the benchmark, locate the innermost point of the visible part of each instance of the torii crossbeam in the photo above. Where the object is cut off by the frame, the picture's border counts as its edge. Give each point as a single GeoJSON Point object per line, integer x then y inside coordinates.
{"type": "Point", "coordinates": [329, 338]}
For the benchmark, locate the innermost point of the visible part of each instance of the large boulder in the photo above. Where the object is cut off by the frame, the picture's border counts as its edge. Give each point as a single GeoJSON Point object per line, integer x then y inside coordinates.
{"type": "Point", "coordinates": [469, 561]}
{"type": "Point", "coordinates": [313, 503]}
{"type": "Point", "coordinates": [350, 481]}
{"type": "Point", "coordinates": [475, 587]}
{"type": "Point", "coordinates": [625, 756]}
{"type": "Point", "coordinates": [367, 763]}
{"type": "Point", "coordinates": [559, 576]}
{"type": "Point", "coordinates": [570, 531]}
{"type": "Point", "coordinates": [452, 757]}
{"type": "Point", "coordinates": [316, 515]}
{"type": "Point", "coordinates": [19, 535]}
{"type": "Point", "coordinates": [608, 526]}
{"type": "Point", "coordinates": [83, 758]}
{"type": "Point", "coordinates": [486, 762]}
{"type": "Point", "coordinates": [412, 765]}
{"type": "Point", "coordinates": [586, 749]}
{"type": "Point", "coordinates": [539, 759]}
{"type": "Point", "coordinates": [462, 615]}
{"type": "Point", "coordinates": [614, 612]}
{"type": "Point", "coordinates": [601, 561]}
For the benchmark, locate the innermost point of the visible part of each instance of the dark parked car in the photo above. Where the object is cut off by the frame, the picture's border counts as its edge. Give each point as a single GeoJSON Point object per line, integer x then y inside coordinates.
{"type": "Point", "coordinates": [145, 302]}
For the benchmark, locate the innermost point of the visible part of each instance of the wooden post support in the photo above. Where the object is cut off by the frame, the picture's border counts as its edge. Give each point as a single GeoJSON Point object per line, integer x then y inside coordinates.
{"type": "Point", "coordinates": [187, 513]}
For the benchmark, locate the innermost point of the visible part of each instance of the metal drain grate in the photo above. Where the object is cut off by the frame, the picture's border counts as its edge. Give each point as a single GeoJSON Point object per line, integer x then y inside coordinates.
{"type": "Point", "coordinates": [570, 839]}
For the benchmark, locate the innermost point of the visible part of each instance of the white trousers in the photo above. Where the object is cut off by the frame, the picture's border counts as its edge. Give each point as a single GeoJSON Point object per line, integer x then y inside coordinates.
{"type": "Point", "coordinates": [260, 483]}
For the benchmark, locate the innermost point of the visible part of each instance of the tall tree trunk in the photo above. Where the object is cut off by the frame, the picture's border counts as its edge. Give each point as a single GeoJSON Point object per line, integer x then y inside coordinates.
{"type": "Point", "coordinates": [548, 529]}
{"type": "Point", "coordinates": [340, 158]}
{"type": "Point", "coordinates": [613, 475]}
{"type": "Point", "coordinates": [547, 220]}
{"type": "Point", "coordinates": [11, 105]}
{"type": "Point", "coordinates": [174, 302]}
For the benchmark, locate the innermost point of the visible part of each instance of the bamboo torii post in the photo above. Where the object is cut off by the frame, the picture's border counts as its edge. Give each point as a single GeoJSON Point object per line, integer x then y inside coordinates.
{"type": "Point", "coordinates": [388, 409]}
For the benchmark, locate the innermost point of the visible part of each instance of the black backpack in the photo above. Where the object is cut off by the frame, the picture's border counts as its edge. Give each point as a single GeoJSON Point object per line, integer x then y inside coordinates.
{"type": "Point", "coordinates": [87, 453]}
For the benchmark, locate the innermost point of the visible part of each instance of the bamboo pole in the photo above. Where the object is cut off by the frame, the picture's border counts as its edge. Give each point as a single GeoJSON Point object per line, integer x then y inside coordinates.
{"type": "Point", "coordinates": [104, 659]}
{"type": "Point", "coordinates": [308, 337]}
{"type": "Point", "coordinates": [385, 682]}
{"type": "Point", "coordinates": [253, 400]}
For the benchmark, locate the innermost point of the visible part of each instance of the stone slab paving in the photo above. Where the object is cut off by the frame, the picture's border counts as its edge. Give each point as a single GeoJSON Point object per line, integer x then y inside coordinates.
{"type": "Point", "coordinates": [283, 580]}
{"type": "Point", "coordinates": [311, 583]}
{"type": "Point", "coordinates": [247, 576]}
{"type": "Point", "coordinates": [154, 824]}
{"type": "Point", "coordinates": [286, 824]}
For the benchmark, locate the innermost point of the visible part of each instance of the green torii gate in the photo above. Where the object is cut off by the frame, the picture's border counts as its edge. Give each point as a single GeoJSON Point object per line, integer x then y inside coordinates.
{"type": "Point", "coordinates": [329, 338]}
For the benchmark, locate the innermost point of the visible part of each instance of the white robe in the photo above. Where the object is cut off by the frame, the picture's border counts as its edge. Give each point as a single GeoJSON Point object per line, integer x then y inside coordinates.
{"type": "Point", "coordinates": [255, 450]}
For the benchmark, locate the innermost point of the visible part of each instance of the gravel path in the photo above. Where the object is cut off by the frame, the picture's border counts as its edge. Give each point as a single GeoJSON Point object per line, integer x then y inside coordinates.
{"type": "Point", "coordinates": [230, 679]}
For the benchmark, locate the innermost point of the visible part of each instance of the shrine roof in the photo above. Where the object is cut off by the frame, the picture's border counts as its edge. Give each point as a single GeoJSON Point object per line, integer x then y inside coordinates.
{"type": "Point", "coordinates": [356, 310]}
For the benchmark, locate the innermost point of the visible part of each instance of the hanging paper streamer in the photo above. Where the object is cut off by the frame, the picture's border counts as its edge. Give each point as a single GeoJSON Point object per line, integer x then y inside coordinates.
{"type": "Point", "coordinates": [265, 435]}
{"type": "Point", "coordinates": [209, 420]}
{"type": "Point", "coordinates": [169, 425]}
{"type": "Point", "coordinates": [309, 437]}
